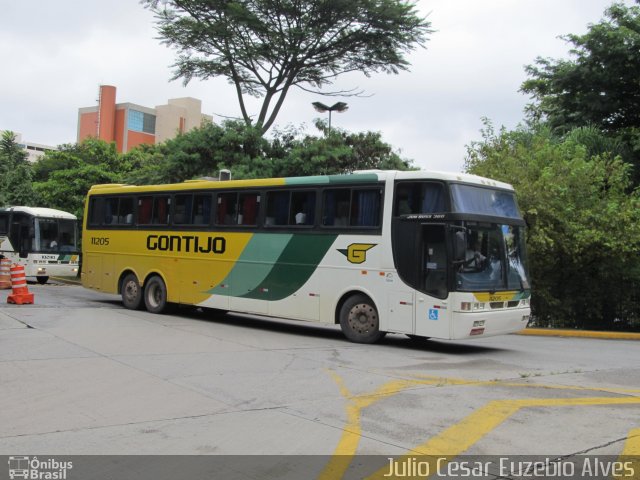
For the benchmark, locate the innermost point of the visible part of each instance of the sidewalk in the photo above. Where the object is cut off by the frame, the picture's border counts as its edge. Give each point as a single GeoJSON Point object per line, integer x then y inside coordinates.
{"type": "Point", "coordinates": [558, 332]}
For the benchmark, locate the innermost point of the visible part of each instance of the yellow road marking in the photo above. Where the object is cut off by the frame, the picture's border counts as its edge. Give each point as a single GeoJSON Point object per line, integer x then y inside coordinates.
{"type": "Point", "coordinates": [458, 438]}
{"type": "Point", "coordinates": [631, 452]}
{"type": "Point", "coordinates": [348, 444]}
{"type": "Point", "coordinates": [443, 382]}
{"type": "Point", "coordinates": [632, 445]}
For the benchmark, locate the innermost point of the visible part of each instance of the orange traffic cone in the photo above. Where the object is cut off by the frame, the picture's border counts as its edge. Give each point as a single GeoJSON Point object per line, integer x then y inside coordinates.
{"type": "Point", "coordinates": [5, 276]}
{"type": "Point", "coordinates": [20, 294]}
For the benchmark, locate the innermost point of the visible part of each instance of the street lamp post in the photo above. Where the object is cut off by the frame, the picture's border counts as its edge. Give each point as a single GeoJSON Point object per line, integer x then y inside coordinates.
{"type": "Point", "coordinates": [337, 107]}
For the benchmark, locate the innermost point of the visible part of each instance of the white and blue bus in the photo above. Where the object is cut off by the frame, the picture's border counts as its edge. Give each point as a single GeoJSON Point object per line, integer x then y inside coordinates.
{"type": "Point", "coordinates": [43, 240]}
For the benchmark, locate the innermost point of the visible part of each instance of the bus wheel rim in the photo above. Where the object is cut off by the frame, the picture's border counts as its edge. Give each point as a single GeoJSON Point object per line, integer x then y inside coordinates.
{"type": "Point", "coordinates": [362, 318]}
{"type": "Point", "coordinates": [131, 291]}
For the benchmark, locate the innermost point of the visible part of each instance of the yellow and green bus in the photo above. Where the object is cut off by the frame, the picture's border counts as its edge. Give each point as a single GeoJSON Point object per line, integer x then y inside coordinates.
{"type": "Point", "coordinates": [426, 254]}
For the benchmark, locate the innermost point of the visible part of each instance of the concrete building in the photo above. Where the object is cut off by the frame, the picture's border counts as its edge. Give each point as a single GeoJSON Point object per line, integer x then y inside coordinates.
{"type": "Point", "coordinates": [129, 124]}
{"type": "Point", "coordinates": [33, 150]}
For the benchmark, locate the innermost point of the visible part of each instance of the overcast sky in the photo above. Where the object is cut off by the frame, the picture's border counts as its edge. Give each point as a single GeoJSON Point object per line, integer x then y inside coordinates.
{"type": "Point", "coordinates": [55, 54]}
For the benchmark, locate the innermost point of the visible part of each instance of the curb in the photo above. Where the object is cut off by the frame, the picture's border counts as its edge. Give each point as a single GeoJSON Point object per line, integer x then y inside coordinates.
{"type": "Point", "coordinates": [552, 332]}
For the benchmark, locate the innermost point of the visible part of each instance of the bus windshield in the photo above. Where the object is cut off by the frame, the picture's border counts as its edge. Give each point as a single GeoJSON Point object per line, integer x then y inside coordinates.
{"type": "Point", "coordinates": [484, 201]}
{"type": "Point", "coordinates": [494, 259]}
{"type": "Point", "coordinates": [56, 235]}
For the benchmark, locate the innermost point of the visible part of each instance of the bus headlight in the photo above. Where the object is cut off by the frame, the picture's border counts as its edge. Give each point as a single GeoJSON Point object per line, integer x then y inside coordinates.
{"type": "Point", "coordinates": [525, 302]}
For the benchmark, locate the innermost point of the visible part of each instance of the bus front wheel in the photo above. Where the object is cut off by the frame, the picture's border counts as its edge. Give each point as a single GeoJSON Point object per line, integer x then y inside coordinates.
{"type": "Point", "coordinates": [131, 292]}
{"type": "Point", "coordinates": [42, 280]}
{"type": "Point", "coordinates": [155, 295]}
{"type": "Point", "coordinates": [359, 320]}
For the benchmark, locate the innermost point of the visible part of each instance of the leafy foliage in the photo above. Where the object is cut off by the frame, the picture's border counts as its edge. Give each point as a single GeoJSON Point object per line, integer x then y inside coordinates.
{"type": "Point", "coordinates": [206, 150]}
{"type": "Point", "coordinates": [15, 172]}
{"type": "Point", "coordinates": [599, 86]}
{"type": "Point", "coordinates": [583, 225]}
{"type": "Point", "coordinates": [265, 47]}
{"type": "Point", "coordinates": [339, 152]}
{"type": "Point", "coordinates": [63, 177]}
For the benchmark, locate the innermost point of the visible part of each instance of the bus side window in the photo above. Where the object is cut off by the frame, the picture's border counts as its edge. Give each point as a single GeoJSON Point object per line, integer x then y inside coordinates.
{"type": "Point", "coordinates": [110, 211]}
{"type": "Point", "coordinates": [145, 207]}
{"type": "Point", "coordinates": [419, 197]}
{"type": "Point", "coordinates": [248, 204]}
{"type": "Point", "coordinates": [303, 208]}
{"type": "Point", "coordinates": [201, 210]}
{"type": "Point", "coordinates": [278, 208]}
{"type": "Point", "coordinates": [161, 206]}
{"type": "Point", "coordinates": [182, 205]}
{"type": "Point", "coordinates": [365, 208]}
{"type": "Point", "coordinates": [336, 206]}
{"type": "Point", "coordinates": [125, 211]}
{"type": "Point", "coordinates": [227, 205]}
{"type": "Point", "coordinates": [4, 223]}
{"type": "Point", "coordinates": [96, 205]}
{"type": "Point", "coordinates": [22, 234]}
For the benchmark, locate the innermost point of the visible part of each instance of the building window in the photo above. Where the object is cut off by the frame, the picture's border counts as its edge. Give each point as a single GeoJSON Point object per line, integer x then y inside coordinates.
{"type": "Point", "coordinates": [142, 122]}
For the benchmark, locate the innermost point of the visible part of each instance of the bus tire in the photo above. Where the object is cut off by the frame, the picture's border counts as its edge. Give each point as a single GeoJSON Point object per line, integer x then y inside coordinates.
{"type": "Point", "coordinates": [42, 280]}
{"type": "Point", "coordinates": [155, 295]}
{"type": "Point", "coordinates": [131, 292]}
{"type": "Point", "coordinates": [359, 320]}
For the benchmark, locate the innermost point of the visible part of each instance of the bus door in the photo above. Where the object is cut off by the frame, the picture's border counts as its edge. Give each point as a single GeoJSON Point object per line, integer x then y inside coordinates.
{"type": "Point", "coordinates": [431, 310]}
{"type": "Point", "coordinates": [22, 234]}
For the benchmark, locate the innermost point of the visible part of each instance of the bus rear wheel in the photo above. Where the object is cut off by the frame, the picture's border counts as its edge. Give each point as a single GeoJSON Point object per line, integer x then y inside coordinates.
{"type": "Point", "coordinates": [359, 320]}
{"type": "Point", "coordinates": [131, 292]}
{"type": "Point", "coordinates": [155, 295]}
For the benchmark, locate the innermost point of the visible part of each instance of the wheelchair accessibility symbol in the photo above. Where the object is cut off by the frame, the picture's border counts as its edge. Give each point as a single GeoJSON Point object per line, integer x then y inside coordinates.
{"type": "Point", "coordinates": [433, 314]}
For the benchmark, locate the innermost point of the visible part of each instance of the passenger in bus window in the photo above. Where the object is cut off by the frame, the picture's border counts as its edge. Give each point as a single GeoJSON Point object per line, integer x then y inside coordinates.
{"type": "Point", "coordinates": [474, 257]}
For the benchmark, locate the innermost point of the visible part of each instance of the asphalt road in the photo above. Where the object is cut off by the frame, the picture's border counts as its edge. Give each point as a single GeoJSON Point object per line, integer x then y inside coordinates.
{"type": "Point", "coordinates": [80, 375]}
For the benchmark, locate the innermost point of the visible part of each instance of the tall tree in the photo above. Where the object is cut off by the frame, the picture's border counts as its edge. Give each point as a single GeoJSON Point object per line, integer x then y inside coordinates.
{"type": "Point", "coordinates": [336, 152]}
{"type": "Point", "coordinates": [598, 85]}
{"type": "Point", "coordinates": [15, 172]}
{"type": "Point", "coordinates": [266, 47]}
{"type": "Point", "coordinates": [63, 177]}
{"type": "Point", "coordinates": [583, 224]}
{"type": "Point", "coordinates": [205, 150]}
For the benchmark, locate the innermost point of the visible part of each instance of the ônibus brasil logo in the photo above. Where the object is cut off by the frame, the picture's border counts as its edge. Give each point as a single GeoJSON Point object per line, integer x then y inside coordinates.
{"type": "Point", "coordinates": [34, 469]}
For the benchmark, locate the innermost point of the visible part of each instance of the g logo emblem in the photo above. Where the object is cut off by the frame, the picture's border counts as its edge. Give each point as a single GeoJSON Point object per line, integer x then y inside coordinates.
{"type": "Point", "coordinates": [357, 252]}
